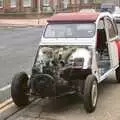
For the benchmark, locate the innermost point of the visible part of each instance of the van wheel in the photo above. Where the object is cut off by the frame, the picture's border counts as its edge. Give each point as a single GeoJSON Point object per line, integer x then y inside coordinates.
{"type": "Point", "coordinates": [90, 93]}
{"type": "Point", "coordinates": [118, 74]}
{"type": "Point", "coordinates": [19, 89]}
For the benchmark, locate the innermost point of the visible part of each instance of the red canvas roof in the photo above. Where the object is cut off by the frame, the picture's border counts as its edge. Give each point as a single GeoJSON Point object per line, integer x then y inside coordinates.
{"type": "Point", "coordinates": [74, 17]}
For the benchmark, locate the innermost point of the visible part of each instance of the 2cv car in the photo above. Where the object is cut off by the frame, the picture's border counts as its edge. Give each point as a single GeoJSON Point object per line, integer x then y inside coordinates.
{"type": "Point", "coordinates": [77, 51]}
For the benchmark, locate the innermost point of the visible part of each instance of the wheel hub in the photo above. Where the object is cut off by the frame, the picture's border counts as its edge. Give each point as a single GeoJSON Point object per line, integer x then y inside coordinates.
{"type": "Point", "coordinates": [94, 93]}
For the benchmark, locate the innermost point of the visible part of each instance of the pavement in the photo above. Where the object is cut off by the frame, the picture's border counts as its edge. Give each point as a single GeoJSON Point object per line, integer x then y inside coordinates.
{"type": "Point", "coordinates": [18, 46]}
{"type": "Point", "coordinates": [69, 108]}
{"type": "Point", "coordinates": [23, 22]}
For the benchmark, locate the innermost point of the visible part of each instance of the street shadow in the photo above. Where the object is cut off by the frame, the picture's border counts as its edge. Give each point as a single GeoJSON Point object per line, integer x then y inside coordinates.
{"type": "Point", "coordinates": [107, 84]}
{"type": "Point", "coordinates": [61, 104]}
{"type": "Point", "coordinates": [69, 101]}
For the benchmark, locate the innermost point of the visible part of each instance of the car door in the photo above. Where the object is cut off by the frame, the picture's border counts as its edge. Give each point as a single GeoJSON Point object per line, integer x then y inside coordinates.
{"type": "Point", "coordinates": [112, 37]}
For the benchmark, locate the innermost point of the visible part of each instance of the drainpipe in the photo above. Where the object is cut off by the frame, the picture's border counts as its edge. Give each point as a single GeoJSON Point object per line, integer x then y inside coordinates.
{"type": "Point", "coordinates": [39, 11]}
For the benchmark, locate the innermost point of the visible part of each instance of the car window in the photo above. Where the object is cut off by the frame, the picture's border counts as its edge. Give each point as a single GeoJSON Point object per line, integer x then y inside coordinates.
{"type": "Point", "coordinates": [68, 30]}
{"type": "Point", "coordinates": [110, 28]}
{"type": "Point", "coordinates": [115, 27]}
{"type": "Point", "coordinates": [101, 25]}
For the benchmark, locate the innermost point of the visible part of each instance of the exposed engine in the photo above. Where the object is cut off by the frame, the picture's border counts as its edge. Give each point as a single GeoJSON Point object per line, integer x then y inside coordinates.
{"type": "Point", "coordinates": [58, 69]}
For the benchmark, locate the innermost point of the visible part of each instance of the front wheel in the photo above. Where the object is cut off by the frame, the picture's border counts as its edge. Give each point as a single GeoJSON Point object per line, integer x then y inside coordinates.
{"type": "Point", "coordinates": [19, 89]}
{"type": "Point", "coordinates": [90, 93]}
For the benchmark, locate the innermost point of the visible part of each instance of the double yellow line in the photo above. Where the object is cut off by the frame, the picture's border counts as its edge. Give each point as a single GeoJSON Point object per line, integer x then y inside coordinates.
{"type": "Point", "coordinates": [6, 105]}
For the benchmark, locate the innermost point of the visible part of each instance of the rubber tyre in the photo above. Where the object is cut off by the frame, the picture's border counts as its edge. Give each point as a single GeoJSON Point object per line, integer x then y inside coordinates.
{"type": "Point", "coordinates": [118, 74]}
{"type": "Point", "coordinates": [88, 104]}
{"type": "Point", "coordinates": [18, 89]}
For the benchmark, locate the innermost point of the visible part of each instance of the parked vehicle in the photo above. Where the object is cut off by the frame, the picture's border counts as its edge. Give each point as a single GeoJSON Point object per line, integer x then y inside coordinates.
{"type": "Point", "coordinates": [77, 51]}
{"type": "Point", "coordinates": [116, 15]}
{"type": "Point", "coordinates": [107, 7]}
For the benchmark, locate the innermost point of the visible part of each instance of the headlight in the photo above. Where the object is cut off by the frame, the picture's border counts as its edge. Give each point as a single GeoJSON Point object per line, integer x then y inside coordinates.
{"type": "Point", "coordinates": [80, 58]}
{"type": "Point", "coordinates": [77, 62]}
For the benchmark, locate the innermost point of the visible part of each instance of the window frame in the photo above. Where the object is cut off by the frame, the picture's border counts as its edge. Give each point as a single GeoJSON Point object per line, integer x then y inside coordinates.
{"type": "Point", "coordinates": [110, 21]}
{"type": "Point", "coordinates": [115, 27]}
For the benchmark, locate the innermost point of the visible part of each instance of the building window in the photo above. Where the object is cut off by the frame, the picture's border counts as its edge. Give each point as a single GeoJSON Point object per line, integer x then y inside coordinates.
{"type": "Point", "coordinates": [13, 3]}
{"type": "Point", "coordinates": [46, 3]}
{"type": "Point", "coordinates": [65, 2]}
{"type": "Point", "coordinates": [1, 3]}
{"type": "Point", "coordinates": [27, 3]}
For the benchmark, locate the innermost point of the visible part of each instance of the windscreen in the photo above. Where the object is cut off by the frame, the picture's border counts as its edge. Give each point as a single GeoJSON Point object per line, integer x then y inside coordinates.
{"type": "Point", "coordinates": [79, 30]}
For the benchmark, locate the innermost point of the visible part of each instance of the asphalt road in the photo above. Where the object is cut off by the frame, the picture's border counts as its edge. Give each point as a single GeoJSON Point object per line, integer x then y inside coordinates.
{"type": "Point", "coordinates": [20, 54]}
{"type": "Point", "coordinates": [71, 108]}
{"type": "Point", "coordinates": [17, 50]}
{"type": "Point", "coordinates": [18, 47]}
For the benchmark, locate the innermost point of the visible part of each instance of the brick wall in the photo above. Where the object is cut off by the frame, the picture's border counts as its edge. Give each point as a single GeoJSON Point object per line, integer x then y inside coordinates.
{"type": "Point", "coordinates": [19, 6]}
{"type": "Point", "coordinates": [33, 8]}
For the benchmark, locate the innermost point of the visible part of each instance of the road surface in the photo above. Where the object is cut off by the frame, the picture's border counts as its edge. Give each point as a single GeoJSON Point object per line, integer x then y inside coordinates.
{"type": "Point", "coordinates": [18, 47]}
{"type": "Point", "coordinates": [17, 50]}
{"type": "Point", "coordinates": [70, 108]}
{"type": "Point", "coordinates": [66, 108]}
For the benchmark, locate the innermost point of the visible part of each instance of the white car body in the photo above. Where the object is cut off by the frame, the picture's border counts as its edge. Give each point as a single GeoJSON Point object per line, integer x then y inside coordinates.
{"type": "Point", "coordinates": [77, 51]}
{"type": "Point", "coordinates": [113, 50]}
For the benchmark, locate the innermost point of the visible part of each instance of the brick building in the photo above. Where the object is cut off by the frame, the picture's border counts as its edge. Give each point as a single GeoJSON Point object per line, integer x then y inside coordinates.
{"type": "Point", "coordinates": [63, 5]}
{"type": "Point", "coordinates": [17, 5]}
{"type": "Point", "coordinates": [28, 6]}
